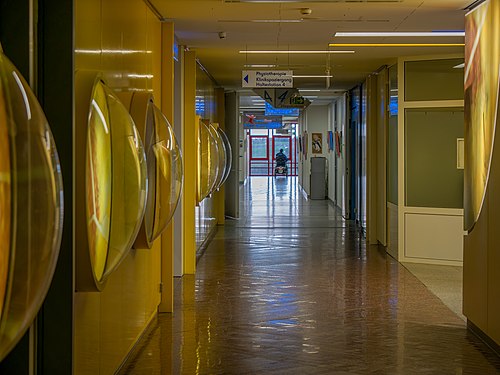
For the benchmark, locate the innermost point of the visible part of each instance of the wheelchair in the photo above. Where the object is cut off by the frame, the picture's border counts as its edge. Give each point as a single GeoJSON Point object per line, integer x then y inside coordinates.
{"type": "Point", "coordinates": [281, 169]}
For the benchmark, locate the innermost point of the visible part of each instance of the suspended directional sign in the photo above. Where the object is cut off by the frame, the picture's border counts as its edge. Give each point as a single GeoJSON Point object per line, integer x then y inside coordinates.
{"type": "Point", "coordinates": [291, 112]}
{"type": "Point", "coordinates": [267, 78]}
{"type": "Point", "coordinates": [283, 98]}
{"type": "Point", "coordinates": [276, 97]}
{"type": "Point", "coordinates": [259, 121]}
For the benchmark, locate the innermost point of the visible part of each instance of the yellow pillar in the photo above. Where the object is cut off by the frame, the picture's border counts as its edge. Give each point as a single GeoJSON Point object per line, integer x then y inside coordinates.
{"type": "Point", "coordinates": [190, 156]}
{"type": "Point", "coordinates": [167, 107]}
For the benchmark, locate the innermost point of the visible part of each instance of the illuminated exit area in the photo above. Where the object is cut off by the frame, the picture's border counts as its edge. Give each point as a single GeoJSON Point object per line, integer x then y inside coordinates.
{"type": "Point", "coordinates": [267, 132]}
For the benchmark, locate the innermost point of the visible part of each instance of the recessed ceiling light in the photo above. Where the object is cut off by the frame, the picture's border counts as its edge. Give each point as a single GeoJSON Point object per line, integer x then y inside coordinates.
{"type": "Point", "coordinates": [400, 33]}
{"type": "Point", "coordinates": [396, 45]}
{"type": "Point", "coordinates": [294, 52]}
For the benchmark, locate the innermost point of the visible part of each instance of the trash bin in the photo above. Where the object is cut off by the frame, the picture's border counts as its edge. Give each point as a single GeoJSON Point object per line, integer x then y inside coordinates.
{"type": "Point", "coordinates": [318, 178]}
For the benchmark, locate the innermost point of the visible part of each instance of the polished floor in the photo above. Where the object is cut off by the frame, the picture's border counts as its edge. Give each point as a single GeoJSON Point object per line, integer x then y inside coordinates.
{"type": "Point", "coordinates": [291, 288]}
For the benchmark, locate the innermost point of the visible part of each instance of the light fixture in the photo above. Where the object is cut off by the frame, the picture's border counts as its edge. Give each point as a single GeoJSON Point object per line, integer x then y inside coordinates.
{"type": "Point", "coordinates": [313, 76]}
{"type": "Point", "coordinates": [134, 75]}
{"type": "Point", "coordinates": [400, 33]}
{"type": "Point", "coordinates": [293, 52]}
{"type": "Point", "coordinates": [396, 45]}
{"type": "Point", "coordinates": [276, 21]}
{"type": "Point", "coordinates": [459, 66]}
{"type": "Point", "coordinates": [112, 51]}
{"type": "Point", "coordinates": [308, 90]}
{"type": "Point", "coordinates": [260, 65]}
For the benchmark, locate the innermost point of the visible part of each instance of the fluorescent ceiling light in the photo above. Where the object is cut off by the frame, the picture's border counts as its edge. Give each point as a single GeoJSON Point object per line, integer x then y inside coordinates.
{"type": "Point", "coordinates": [260, 65]}
{"type": "Point", "coordinates": [313, 76]}
{"type": "Point", "coordinates": [396, 45]}
{"type": "Point", "coordinates": [307, 90]}
{"type": "Point", "coordinates": [112, 51]}
{"type": "Point", "coordinates": [133, 75]}
{"type": "Point", "coordinates": [295, 52]}
{"type": "Point", "coordinates": [276, 21]}
{"type": "Point", "coordinates": [400, 33]}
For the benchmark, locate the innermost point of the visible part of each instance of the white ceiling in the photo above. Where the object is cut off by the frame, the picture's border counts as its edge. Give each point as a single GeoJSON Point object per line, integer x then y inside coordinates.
{"type": "Point", "coordinates": [198, 23]}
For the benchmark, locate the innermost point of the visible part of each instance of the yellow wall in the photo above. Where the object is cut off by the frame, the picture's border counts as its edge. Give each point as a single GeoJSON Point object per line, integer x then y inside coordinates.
{"type": "Point", "coordinates": [190, 155]}
{"type": "Point", "coordinates": [108, 323]}
{"type": "Point", "coordinates": [206, 212]}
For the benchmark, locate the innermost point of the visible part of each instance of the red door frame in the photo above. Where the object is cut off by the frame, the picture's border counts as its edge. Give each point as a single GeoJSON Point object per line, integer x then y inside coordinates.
{"type": "Point", "coordinates": [269, 160]}
{"type": "Point", "coordinates": [291, 158]}
{"type": "Point", "coordinates": [251, 137]}
{"type": "Point", "coordinates": [290, 146]}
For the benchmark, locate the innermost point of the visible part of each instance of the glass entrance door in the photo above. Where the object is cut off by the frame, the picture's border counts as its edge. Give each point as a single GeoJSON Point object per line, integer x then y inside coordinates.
{"type": "Point", "coordinates": [286, 143]}
{"type": "Point", "coordinates": [259, 155]}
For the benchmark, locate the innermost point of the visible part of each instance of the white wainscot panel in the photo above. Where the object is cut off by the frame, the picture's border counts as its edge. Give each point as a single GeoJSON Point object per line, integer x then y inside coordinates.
{"type": "Point", "coordinates": [434, 237]}
{"type": "Point", "coordinates": [392, 224]}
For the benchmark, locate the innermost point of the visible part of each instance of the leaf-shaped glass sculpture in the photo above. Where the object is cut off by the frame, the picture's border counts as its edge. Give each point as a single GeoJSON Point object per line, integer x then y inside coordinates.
{"type": "Point", "coordinates": [229, 155]}
{"type": "Point", "coordinates": [208, 162]}
{"type": "Point", "coordinates": [31, 206]}
{"type": "Point", "coordinates": [116, 182]}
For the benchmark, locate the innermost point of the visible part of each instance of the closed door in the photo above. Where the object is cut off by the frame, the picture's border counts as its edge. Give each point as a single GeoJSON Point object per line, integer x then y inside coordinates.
{"type": "Point", "coordinates": [259, 155]}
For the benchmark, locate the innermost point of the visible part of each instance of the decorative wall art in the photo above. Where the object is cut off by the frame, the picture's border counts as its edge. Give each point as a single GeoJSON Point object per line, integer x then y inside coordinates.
{"type": "Point", "coordinates": [305, 144]}
{"type": "Point", "coordinates": [331, 143]}
{"type": "Point", "coordinates": [31, 206]}
{"type": "Point", "coordinates": [164, 165]}
{"type": "Point", "coordinates": [338, 143]}
{"type": "Point", "coordinates": [214, 159]}
{"type": "Point", "coordinates": [317, 143]}
{"type": "Point", "coordinates": [208, 161]}
{"type": "Point", "coordinates": [221, 150]}
{"type": "Point", "coordinates": [229, 156]}
{"type": "Point", "coordinates": [482, 58]}
{"type": "Point", "coordinates": [111, 168]}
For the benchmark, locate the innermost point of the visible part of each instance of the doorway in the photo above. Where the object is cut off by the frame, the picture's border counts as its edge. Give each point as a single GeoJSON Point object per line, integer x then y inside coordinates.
{"type": "Point", "coordinates": [264, 144]}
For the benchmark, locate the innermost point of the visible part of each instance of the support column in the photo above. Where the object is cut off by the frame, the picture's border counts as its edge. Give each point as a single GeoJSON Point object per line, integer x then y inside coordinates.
{"type": "Point", "coordinates": [190, 155]}
{"type": "Point", "coordinates": [167, 107]}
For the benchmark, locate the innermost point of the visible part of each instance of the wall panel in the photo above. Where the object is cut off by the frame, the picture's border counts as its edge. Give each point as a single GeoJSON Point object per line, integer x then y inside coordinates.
{"type": "Point", "coordinates": [382, 123]}
{"type": "Point", "coordinates": [206, 212]}
{"type": "Point", "coordinates": [120, 39]}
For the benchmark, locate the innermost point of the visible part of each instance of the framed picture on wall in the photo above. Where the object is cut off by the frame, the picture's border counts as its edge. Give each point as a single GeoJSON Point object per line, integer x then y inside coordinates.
{"type": "Point", "coordinates": [317, 143]}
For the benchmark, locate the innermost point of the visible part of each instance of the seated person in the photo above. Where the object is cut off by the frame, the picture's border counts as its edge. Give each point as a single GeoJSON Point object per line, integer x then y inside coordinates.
{"type": "Point", "coordinates": [281, 159]}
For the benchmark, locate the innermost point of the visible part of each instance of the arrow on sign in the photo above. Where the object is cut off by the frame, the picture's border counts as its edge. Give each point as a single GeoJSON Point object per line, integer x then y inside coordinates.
{"type": "Point", "coordinates": [246, 78]}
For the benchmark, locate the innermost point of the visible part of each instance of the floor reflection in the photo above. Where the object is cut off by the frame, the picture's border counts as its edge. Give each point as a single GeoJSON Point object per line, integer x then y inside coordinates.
{"type": "Point", "coordinates": [292, 289]}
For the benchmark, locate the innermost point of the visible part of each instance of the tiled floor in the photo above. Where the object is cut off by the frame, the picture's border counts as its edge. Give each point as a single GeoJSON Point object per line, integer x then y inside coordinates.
{"type": "Point", "coordinates": [291, 289]}
{"type": "Point", "coordinates": [444, 281]}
